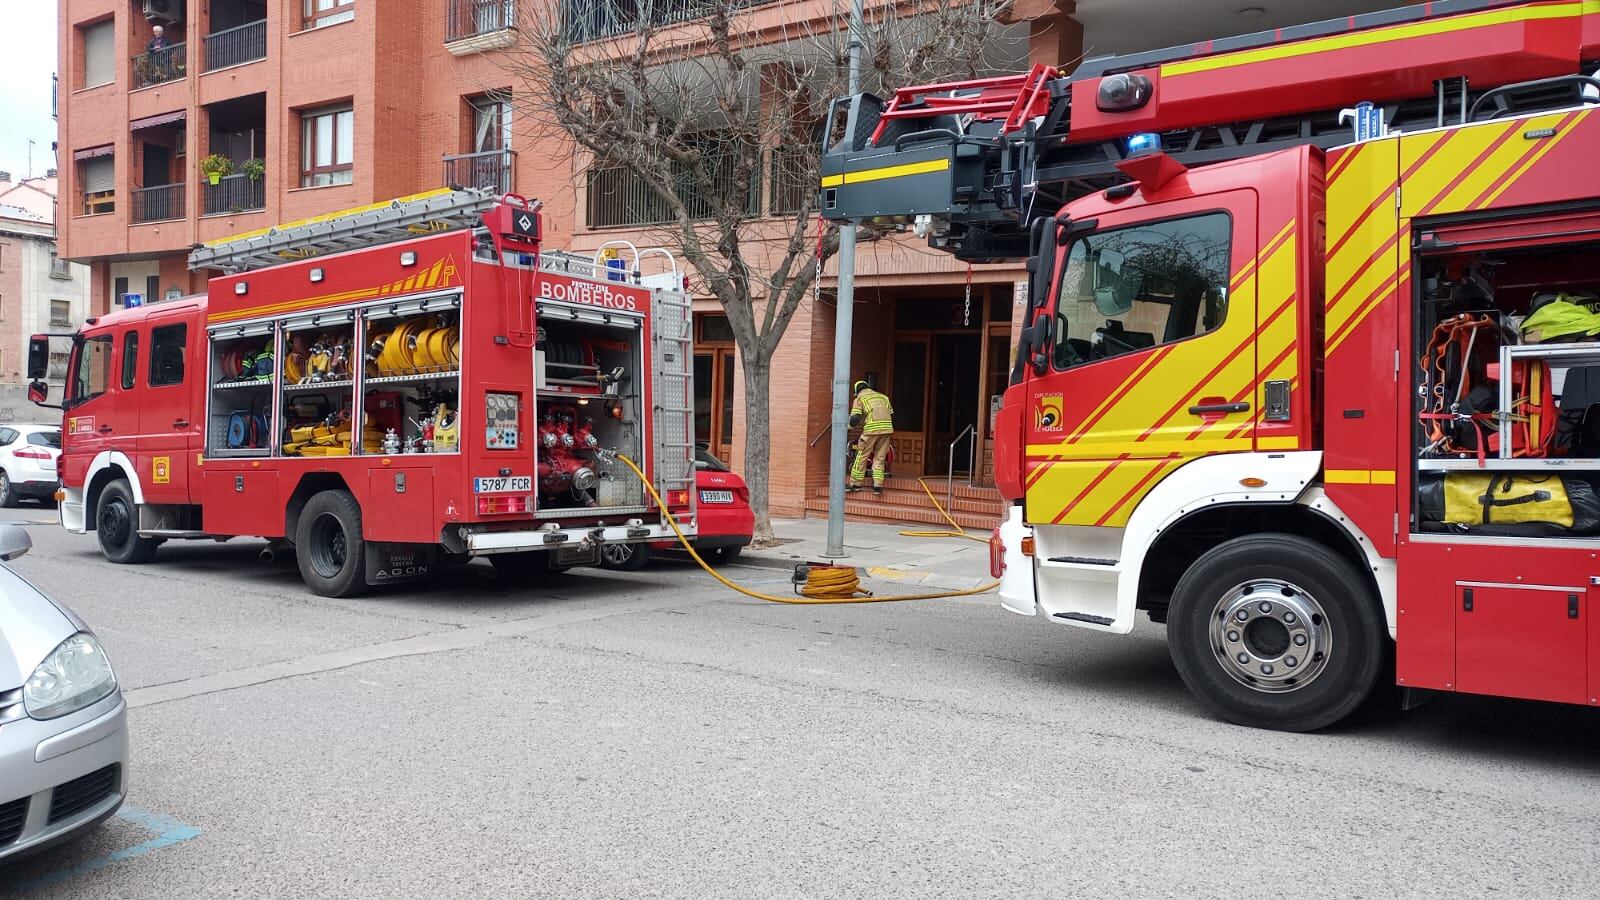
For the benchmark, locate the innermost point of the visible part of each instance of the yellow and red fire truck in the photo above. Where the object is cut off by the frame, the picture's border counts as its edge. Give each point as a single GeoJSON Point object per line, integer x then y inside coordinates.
{"type": "Point", "coordinates": [1309, 370]}
{"type": "Point", "coordinates": [385, 390]}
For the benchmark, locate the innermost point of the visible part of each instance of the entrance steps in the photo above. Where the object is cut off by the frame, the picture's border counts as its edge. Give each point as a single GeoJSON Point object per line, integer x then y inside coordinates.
{"type": "Point", "coordinates": [903, 502]}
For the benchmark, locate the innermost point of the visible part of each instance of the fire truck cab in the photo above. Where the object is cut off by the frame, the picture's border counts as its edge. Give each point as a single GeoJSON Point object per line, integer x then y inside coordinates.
{"type": "Point", "coordinates": [1313, 390]}
{"type": "Point", "coordinates": [384, 391]}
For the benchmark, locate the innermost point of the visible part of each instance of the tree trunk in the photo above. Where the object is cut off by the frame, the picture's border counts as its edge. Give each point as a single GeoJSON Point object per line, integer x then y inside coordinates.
{"type": "Point", "coordinates": [758, 438]}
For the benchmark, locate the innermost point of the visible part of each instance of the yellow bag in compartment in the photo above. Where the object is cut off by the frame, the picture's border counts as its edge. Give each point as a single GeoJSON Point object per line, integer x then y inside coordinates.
{"type": "Point", "coordinates": [302, 434]}
{"type": "Point", "coordinates": [1474, 499]}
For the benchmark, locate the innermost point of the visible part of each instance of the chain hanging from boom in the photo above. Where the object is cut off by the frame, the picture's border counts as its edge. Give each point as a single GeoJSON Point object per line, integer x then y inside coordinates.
{"type": "Point", "coordinates": [966, 302]}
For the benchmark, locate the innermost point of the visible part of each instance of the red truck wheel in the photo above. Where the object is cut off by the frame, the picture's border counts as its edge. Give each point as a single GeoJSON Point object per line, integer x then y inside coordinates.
{"type": "Point", "coordinates": [329, 546]}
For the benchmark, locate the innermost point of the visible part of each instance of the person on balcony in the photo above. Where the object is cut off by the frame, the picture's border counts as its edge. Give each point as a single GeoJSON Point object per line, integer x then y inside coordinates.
{"type": "Point", "coordinates": [159, 54]}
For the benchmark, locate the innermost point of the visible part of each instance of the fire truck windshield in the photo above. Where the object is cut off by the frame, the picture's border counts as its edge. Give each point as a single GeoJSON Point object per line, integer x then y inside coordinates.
{"type": "Point", "coordinates": [1127, 289]}
{"type": "Point", "coordinates": [91, 370]}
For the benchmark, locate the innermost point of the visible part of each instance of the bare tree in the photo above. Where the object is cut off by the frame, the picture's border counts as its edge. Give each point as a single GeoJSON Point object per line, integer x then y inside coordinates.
{"type": "Point", "coordinates": [686, 108]}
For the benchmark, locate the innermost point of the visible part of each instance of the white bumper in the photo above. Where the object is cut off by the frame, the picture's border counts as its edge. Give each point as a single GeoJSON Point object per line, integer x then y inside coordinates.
{"type": "Point", "coordinates": [1016, 582]}
{"type": "Point", "coordinates": [538, 539]}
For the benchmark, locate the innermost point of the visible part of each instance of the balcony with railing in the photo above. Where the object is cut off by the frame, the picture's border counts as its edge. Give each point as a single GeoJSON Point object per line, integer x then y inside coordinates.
{"type": "Point", "coordinates": [620, 196]}
{"type": "Point", "coordinates": [236, 46]}
{"type": "Point", "coordinates": [158, 203]}
{"type": "Point", "coordinates": [592, 20]}
{"type": "Point", "coordinates": [235, 194]}
{"type": "Point", "coordinates": [489, 169]}
{"type": "Point", "coordinates": [792, 177]}
{"type": "Point", "coordinates": [160, 66]}
{"type": "Point", "coordinates": [473, 26]}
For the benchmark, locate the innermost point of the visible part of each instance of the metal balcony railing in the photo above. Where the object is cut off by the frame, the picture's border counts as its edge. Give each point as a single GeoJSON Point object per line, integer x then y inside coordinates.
{"type": "Point", "coordinates": [160, 66]}
{"type": "Point", "coordinates": [591, 20]}
{"type": "Point", "coordinates": [236, 45]}
{"type": "Point", "coordinates": [792, 176]}
{"type": "Point", "coordinates": [488, 169]}
{"type": "Point", "coordinates": [620, 196]}
{"type": "Point", "coordinates": [470, 18]}
{"type": "Point", "coordinates": [159, 203]}
{"type": "Point", "coordinates": [235, 193]}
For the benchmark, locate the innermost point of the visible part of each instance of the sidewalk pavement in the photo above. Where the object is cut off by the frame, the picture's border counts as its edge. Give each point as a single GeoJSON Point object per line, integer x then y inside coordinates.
{"type": "Point", "coordinates": [881, 552]}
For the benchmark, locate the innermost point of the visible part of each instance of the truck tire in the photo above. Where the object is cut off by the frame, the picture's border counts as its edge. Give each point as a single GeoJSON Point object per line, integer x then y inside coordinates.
{"type": "Point", "coordinates": [116, 526]}
{"type": "Point", "coordinates": [530, 565]}
{"type": "Point", "coordinates": [625, 557]}
{"type": "Point", "coordinates": [1275, 631]}
{"type": "Point", "coordinates": [329, 547]}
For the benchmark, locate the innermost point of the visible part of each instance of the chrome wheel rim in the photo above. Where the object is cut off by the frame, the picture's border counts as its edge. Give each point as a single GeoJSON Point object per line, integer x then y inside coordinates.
{"type": "Point", "coordinates": [1271, 635]}
{"type": "Point", "coordinates": [617, 554]}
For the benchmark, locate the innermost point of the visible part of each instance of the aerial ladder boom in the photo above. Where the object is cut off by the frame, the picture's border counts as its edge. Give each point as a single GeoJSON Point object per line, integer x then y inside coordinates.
{"type": "Point", "coordinates": [979, 161]}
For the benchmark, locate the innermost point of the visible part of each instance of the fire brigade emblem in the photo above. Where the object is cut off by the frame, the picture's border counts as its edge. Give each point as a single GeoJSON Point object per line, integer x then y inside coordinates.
{"type": "Point", "coordinates": [161, 470]}
{"type": "Point", "coordinates": [1047, 413]}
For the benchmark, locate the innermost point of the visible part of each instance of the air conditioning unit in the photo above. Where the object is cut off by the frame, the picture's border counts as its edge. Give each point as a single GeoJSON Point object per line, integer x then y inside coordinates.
{"type": "Point", "coordinates": [164, 12]}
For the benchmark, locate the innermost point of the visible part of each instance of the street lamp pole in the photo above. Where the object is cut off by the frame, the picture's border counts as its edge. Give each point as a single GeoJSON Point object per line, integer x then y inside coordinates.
{"type": "Point", "coordinates": [844, 324]}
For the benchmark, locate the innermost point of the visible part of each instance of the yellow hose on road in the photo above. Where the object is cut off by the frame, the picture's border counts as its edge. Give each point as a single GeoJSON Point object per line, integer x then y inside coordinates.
{"type": "Point", "coordinates": [825, 584]}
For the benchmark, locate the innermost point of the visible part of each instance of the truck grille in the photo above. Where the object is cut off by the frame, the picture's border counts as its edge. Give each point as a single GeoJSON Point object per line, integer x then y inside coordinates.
{"type": "Point", "coordinates": [77, 795]}
{"type": "Point", "coordinates": [12, 815]}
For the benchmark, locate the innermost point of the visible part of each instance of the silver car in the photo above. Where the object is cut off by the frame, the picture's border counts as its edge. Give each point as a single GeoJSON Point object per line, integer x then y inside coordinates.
{"type": "Point", "coordinates": [63, 729]}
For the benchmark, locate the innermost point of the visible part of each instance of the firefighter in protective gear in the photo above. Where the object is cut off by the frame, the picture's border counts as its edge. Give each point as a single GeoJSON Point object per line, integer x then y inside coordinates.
{"type": "Point", "coordinates": [875, 414]}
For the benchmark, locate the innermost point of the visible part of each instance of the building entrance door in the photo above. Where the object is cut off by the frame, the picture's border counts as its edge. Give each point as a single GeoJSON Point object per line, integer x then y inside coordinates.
{"type": "Point", "coordinates": [955, 379]}
{"type": "Point", "coordinates": [713, 400]}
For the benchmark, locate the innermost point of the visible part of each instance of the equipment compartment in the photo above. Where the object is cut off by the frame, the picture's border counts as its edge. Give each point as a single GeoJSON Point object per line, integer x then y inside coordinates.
{"type": "Point", "coordinates": [411, 377]}
{"type": "Point", "coordinates": [318, 375]}
{"type": "Point", "coordinates": [241, 376]}
{"type": "Point", "coordinates": [588, 410]}
{"type": "Point", "coordinates": [1506, 400]}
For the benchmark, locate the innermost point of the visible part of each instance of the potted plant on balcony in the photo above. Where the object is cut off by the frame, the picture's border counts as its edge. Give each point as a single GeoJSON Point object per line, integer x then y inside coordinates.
{"type": "Point", "coordinates": [255, 169]}
{"type": "Point", "coordinates": [215, 166]}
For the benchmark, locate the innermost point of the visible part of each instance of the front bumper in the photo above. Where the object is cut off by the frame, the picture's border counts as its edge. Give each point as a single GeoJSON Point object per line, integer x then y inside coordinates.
{"type": "Point", "coordinates": [71, 510]}
{"type": "Point", "coordinates": [73, 770]}
{"type": "Point", "coordinates": [1017, 591]}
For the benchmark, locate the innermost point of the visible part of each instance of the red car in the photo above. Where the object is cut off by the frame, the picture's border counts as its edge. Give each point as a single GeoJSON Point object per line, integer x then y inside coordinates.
{"type": "Point", "coordinates": [726, 522]}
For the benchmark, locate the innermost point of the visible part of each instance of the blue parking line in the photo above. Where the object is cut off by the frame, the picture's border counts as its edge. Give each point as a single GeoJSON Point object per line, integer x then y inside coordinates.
{"type": "Point", "coordinates": [167, 830]}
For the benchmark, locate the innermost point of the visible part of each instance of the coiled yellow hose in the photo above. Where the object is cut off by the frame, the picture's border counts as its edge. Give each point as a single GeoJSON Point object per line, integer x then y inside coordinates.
{"type": "Point", "coordinates": [824, 584]}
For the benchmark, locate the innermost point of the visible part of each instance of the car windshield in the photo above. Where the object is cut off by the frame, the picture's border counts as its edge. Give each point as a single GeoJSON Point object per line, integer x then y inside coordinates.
{"type": "Point", "coordinates": [45, 439]}
{"type": "Point", "coordinates": [707, 460]}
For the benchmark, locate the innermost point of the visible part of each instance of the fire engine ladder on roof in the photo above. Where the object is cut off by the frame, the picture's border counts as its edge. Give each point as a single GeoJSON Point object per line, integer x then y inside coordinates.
{"type": "Point", "coordinates": [674, 394]}
{"type": "Point", "coordinates": [396, 220]}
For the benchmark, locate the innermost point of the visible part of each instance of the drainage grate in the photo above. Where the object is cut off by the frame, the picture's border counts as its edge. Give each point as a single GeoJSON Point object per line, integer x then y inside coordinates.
{"type": "Point", "coordinates": [77, 795]}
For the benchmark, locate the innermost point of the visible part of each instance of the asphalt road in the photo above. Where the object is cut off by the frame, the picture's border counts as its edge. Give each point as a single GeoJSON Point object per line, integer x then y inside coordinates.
{"type": "Point", "coordinates": [651, 735]}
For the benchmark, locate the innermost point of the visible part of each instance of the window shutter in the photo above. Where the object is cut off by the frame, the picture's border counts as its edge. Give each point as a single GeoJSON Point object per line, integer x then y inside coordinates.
{"type": "Point", "coordinates": [99, 174]}
{"type": "Point", "coordinates": [99, 54]}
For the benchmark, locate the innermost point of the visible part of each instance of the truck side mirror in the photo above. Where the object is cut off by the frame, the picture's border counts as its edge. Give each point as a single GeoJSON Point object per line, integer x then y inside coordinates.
{"type": "Point", "coordinates": [38, 357]}
{"type": "Point", "coordinates": [38, 392]}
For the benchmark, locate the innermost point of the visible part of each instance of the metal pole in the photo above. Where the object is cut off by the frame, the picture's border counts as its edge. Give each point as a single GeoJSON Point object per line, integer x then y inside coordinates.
{"type": "Point", "coordinates": [844, 323]}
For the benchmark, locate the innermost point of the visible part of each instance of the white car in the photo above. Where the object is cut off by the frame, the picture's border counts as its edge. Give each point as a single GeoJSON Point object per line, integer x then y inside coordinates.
{"type": "Point", "coordinates": [63, 722]}
{"type": "Point", "coordinates": [28, 455]}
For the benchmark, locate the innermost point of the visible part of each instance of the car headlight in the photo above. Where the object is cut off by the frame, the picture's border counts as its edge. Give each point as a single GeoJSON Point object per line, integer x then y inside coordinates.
{"type": "Point", "coordinates": [75, 674]}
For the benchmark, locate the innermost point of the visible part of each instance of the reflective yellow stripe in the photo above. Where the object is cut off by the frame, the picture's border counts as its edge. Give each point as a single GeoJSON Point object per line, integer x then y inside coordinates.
{"type": "Point", "coordinates": [1381, 36]}
{"type": "Point", "coordinates": [1277, 443]}
{"type": "Point", "coordinates": [1136, 449]}
{"type": "Point", "coordinates": [916, 168]}
{"type": "Point", "coordinates": [1359, 476]}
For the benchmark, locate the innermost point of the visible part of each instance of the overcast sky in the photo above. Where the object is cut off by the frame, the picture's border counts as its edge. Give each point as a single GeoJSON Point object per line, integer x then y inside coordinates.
{"type": "Point", "coordinates": [26, 64]}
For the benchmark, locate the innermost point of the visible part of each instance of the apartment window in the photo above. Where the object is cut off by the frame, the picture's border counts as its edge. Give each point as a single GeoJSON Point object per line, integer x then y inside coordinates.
{"type": "Point", "coordinates": [60, 313]}
{"type": "Point", "coordinates": [97, 173]}
{"type": "Point", "coordinates": [166, 355]}
{"type": "Point", "coordinates": [328, 12]}
{"type": "Point", "coordinates": [119, 289]}
{"type": "Point", "coordinates": [58, 267]}
{"type": "Point", "coordinates": [99, 53]}
{"type": "Point", "coordinates": [327, 144]}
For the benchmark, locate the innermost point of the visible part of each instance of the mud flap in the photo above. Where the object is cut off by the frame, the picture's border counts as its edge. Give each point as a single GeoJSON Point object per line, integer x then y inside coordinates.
{"type": "Point", "coordinates": [391, 563]}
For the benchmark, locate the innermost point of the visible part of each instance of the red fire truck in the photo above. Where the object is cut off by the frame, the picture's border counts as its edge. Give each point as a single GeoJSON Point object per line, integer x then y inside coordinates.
{"type": "Point", "coordinates": [1309, 370]}
{"type": "Point", "coordinates": [386, 390]}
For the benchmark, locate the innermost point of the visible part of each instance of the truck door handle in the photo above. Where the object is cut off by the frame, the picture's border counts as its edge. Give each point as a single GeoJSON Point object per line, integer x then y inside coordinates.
{"type": "Point", "coordinates": [1216, 406]}
{"type": "Point", "coordinates": [180, 423]}
{"type": "Point", "coordinates": [105, 429]}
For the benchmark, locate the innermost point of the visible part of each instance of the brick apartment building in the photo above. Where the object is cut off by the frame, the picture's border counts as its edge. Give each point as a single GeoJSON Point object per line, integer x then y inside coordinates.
{"type": "Point", "coordinates": [319, 105]}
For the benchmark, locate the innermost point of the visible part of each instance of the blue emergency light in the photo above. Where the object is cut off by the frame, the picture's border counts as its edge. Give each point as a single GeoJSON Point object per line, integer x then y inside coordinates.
{"type": "Point", "coordinates": [1144, 142]}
